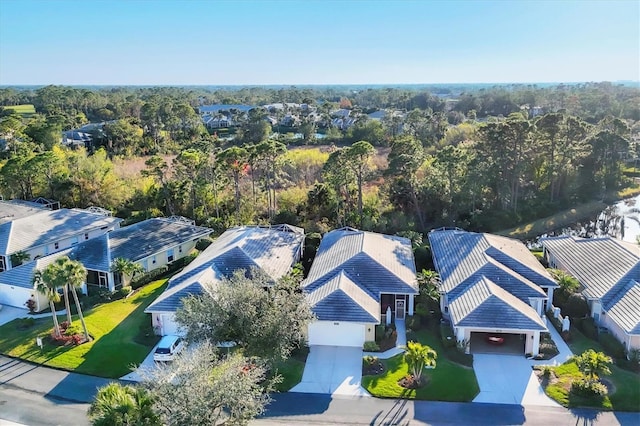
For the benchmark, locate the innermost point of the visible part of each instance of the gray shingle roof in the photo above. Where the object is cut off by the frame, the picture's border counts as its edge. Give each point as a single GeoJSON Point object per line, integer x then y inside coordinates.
{"type": "Point", "coordinates": [598, 263]}
{"type": "Point", "coordinates": [375, 263]}
{"type": "Point", "coordinates": [487, 305]}
{"type": "Point", "coordinates": [15, 209]}
{"type": "Point", "coordinates": [135, 242]}
{"type": "Point", "coordinates": [22, 276]}
{"type": "Point", "coordinates": [49, 226]}
{"type": "Point", "coordinates": [274, 250]}
{"type": "Point", "coordinates": [489, 279]}
{"type": "Point", "coordinates": [94, 253]}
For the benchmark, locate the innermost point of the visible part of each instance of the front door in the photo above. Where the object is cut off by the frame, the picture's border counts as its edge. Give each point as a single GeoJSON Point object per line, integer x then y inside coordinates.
{"type": "Point", "coordinates": [400, 309]}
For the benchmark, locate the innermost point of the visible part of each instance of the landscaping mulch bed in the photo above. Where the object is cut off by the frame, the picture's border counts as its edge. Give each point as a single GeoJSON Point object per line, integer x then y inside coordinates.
{"type": "Point", "coordinates": [408, 382]}
{"type": "Point", "coordinates": [373, 369]}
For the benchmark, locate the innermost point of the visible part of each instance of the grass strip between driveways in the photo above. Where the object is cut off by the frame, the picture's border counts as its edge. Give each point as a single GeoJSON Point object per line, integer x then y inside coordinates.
{"type": "Point", "coordinates": [447, 382]}
{"type": "Point", "coordinates": [291, 371]}
{"type": "Point", "coordinates": [116, 328]}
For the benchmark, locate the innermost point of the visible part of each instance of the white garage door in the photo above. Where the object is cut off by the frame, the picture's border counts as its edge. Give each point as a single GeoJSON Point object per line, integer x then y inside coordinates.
{"type": "Point", "coordinates": [330, 333]}
{"type": "Point", "coordinates": [14, 296]}
{"type": "Point", "coordinates": [169, 325]}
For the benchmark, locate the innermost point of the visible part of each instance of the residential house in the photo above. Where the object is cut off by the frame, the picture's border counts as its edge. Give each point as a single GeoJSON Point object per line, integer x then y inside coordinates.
{"type": "Point", "coordinates": [16, 284]}
{"type": "Point", "coordinates": [218, 121]}
{"type": "Point", "coordinates": [355, 278]}
{"type": "Point", "coordinates": [74, 139]}
{"type": "Point", "coordinates": [37, 231]}
{"type": "Point", "coordinates": [273, 250]}
{"type": "Point", "coordinates": [151, 243]}
{"type": "Point", "coordinates": [608, 270]}
{"type": "Point", "coordinates": [491, 285]}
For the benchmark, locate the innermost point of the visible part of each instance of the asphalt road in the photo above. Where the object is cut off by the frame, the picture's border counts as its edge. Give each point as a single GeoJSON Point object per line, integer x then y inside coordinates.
{"type": "Point", "coordinates": [35, 395]}
{"type": "Point", "coordinates": [34, 409]}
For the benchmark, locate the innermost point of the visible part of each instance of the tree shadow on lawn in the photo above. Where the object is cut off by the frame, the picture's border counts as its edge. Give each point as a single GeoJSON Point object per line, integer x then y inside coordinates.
{"type": "Point", "coordinates": [118, 352]}
{"type": "Point", "coordinates": [42, 328]}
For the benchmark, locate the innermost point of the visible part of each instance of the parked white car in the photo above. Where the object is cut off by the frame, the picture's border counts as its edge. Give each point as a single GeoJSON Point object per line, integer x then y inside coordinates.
{"type": "Point", "coordinates": [168, 348]}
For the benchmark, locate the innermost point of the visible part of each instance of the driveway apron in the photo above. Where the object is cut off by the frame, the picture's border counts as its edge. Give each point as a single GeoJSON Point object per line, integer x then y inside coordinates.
{"type": "Point", "coordinates": [333, 370]}
{"type": "Point", "coordinates": [508, 379]}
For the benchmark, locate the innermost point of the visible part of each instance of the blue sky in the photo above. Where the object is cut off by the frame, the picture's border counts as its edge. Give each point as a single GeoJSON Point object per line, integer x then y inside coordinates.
{"type": "Point", "coordinates": [317, 42]}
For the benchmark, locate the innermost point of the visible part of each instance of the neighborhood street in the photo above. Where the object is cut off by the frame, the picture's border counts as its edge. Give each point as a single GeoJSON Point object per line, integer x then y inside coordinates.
{"type": "Point", "coordinates": [58, 397]}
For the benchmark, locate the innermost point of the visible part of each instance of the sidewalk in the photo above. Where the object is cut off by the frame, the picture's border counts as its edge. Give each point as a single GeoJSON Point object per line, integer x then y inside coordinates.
{"type": "Point", "coordinates": [9, 313]}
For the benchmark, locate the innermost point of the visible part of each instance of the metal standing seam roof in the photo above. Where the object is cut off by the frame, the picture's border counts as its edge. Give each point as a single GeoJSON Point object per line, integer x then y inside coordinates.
{"type": "Point", "coordinates": [486, 304]}
{"type": "Point", "coordinates": [466, 259]}
{"type": "Point", "coordinates": [622, 302]}
{"type": "Point", "coordinates": [274, 250]}
{"type": "Point", "coordinates": [22, 276]}
{"type": "Point", "coordinates": [49, 226]}
{"type": "Point", "coordinates": [334, 301]}
{"type": "Point", "coordinates": [458, 254]}
{"type": "Point", "coordinates": [375, 263]}
{"type": "Point", "coordinates": [597, 263]}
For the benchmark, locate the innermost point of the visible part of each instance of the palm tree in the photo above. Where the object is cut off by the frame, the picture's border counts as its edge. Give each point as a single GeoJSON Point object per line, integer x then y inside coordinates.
{"type": "Point", "coordinates": [124, 405]}
{"type": "Point", "coordinates": [593, 364]}
{"type": "Point", "coordinates": [429, 282]}
{"type": "Point", "coordinates": [418, 357]}
{"type": "Point", "coordinates": [19, 257]}
{"type": "Point", "coordinates": [45, 285]}
{"type": "Point", "coordinates": [73, 274]}
{"type": "Point", "coordinates": [126, 268]}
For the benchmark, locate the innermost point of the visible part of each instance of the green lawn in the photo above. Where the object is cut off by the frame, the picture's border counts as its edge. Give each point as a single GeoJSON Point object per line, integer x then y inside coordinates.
{"type": "Point", "coordinates": [627, 384]}
{"type": "Point", "coordinates": [447, 382]}
{"type": "Point", "coordinates": [119, 330]}
{"type": "Point", "coordinates": [291, 371]}
{"type": "Point", "coordinates": [26, 109]}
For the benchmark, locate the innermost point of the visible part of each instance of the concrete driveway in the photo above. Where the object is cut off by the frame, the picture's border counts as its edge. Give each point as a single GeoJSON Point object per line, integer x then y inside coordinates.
{"type": "Point", "coordinates": [9, 313]}
{"type": "Point", "coordinates": [508, 379]}
{"type": "Point", "coordinates": [333, 370]}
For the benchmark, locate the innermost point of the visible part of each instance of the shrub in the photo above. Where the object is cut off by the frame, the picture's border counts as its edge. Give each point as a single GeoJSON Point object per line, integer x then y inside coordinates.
{"type": "Point", "coordinates": [370, 360]}
{"type": "Point", "coordinates": [585, 388]}
{"type": "Point", "coordinates": [31, 305]}
{"type": "Point", "coordinates": [612, 346]}
{"type": "Point", "coordinates": [389, 341]}
{"type": "Point", "coordinates": [380, 332]}
{"type": "Point", "coordinates": [73, 329]}
{"type": "Point", "coordinates": [150, 276]}
{"type": "Point", "coordinates": [203, 243]}
{"type": "Point", "coordinates": [125, 291]}
{"type": "Point", "coordinates": [413, 322]}
{"type": "Point", "coordinates": [371, 347]}
{"type": "Point", "coordinates": [576, 306]}
{"type": "Point", "coordinates": [546, 372]}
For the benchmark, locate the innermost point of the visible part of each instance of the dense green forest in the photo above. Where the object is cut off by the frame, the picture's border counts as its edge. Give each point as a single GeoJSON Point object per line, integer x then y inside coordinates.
{"type": "Point", "coordinates": [482, 159]}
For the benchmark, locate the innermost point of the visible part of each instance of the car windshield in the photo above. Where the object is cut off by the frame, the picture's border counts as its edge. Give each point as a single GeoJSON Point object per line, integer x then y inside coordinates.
{"type": "Point", "coordinates": [162, 350]}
